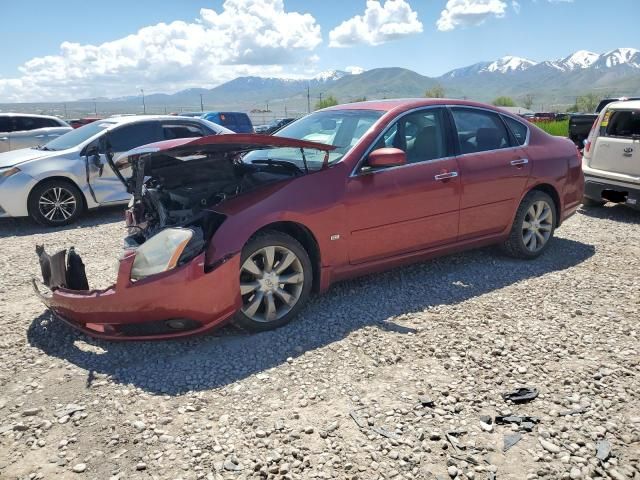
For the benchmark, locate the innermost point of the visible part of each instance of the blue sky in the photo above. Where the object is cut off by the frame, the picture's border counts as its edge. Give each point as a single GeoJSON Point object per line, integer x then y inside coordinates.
{"type": "Point", "coordinates": [428, 36]}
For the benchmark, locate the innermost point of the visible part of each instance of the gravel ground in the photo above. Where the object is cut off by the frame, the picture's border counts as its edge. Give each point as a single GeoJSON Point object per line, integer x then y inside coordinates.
{"type": "Point", "coordinates": [387, 376]}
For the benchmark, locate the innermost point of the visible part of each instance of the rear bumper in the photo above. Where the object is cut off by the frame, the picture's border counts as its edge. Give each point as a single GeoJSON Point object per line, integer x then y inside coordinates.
{"type": "Point", "coordinates": [196, 299]}
{"type": "Point", "coordinates": [601, 188]}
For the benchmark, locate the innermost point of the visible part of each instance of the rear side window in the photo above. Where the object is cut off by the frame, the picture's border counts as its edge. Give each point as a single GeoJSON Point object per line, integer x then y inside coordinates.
{"type": "Point", "coordinates": [127, 137]}
{"type": "Point", "coordinates": [518, 129]}
{"type": "Point", "coordinates": [479, 130]}
{"type": "Point", "coordinates": [182, 130]}
{"type": "Point", "coordinates": [624, 124]}
{"type": "Point", "coordinates": [30, 123]}
{"type": "Point", "coordinates": [229, 120]}
{"type": "Point", "coordinates": [5, 124]}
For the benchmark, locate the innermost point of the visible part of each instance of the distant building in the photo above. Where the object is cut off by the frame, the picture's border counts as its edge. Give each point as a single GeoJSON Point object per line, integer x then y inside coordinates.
{"type": "Point", "coordinates": [517, 110]}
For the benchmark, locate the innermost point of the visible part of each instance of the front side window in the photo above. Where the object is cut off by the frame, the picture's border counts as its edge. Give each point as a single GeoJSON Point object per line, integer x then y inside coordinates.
{"type": "Point", "coordinates": [624, 124]}
{"type": "Point", "coordinates": [479, 130]}
{"type": "Point", "coordinates": [125, 138]}
{"type": "Point", "coordinates": [5, 124]}
{"type": "Point", "coordinates": [420, 134]}
{"type": "Point", "coordinates": [519, 130]}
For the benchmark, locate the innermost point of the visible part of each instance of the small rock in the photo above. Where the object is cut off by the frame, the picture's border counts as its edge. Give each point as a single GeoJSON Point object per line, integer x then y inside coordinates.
{"type": "Point", "coordinates": [452, 471]}
{"type": "Point", "coordinates": [549, 446]}
{"type": "Point", "coordinates": [30, 412]}
{"type": "Point", "coordinates": [80, 467]}
{"type": "Point", "coordinates": [141, 466]}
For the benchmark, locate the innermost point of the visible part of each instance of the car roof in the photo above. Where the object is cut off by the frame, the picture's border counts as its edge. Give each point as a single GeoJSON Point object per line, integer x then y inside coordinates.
{"type": "Point", "coordinates": [30, 115]}
{"type": "Point", "coordinates": [410, 103]}
{"type": "Point", "coordinates": [625, 105]}
{"type": "Point", "coordinates": [140, 118]}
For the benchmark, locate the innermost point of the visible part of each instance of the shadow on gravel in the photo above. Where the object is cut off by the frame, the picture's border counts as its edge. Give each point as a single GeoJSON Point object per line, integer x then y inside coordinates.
{"type": "Point", "coordinates": [19, 227]}
{"type": "Point", "coordinates": [615, 212]}
{"type": "Point", "coordinates": [174, 367]}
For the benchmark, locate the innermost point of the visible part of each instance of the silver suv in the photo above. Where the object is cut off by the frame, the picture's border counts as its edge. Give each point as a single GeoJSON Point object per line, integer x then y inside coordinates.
{"type": "Point", "coordinates": [56, 182]}
{"type": "Point", "coordinates": [21, 130]}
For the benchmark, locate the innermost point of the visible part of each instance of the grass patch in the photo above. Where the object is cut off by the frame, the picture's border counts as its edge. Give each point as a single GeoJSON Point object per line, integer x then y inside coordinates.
{"type": "Point", "coordinates": [560, 128]}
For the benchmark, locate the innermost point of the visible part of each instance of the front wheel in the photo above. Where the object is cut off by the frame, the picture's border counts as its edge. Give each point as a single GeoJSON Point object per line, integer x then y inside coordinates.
{"type": "Point", "coordinates": [275, 281]}
{"type": "Point", "coordinates": [533, 226]}
{"type": "Point", "coordinates": [55, 203]}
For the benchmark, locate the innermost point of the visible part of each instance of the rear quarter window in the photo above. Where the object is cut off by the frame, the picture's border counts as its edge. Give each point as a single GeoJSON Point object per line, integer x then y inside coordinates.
{"type": "Point", "coordinates": [623, 124]}
{"type": "Point", "coordinates": [518, 129]}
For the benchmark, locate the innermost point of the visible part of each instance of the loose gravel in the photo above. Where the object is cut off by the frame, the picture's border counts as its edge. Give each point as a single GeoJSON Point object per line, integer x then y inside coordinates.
{"type": "Point", "coordinates": [398, 375]}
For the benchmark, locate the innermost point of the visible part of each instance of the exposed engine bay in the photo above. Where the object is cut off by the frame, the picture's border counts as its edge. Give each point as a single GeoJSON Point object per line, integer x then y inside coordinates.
{"type": "Point", "coordinates": [174, 191]}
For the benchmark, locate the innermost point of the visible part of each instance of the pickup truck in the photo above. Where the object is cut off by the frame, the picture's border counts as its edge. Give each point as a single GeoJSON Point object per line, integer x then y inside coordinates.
{"type": "Point", "coordinates": [580, 124]}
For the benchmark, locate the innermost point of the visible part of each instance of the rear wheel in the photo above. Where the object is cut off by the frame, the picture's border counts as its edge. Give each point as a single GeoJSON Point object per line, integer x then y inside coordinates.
{"type": "Point", "coordinates": [55, 203]}
{"type": "Point", "coordinates": [533, 227]}
{"type": "Point", "coordinates": [275, 281]}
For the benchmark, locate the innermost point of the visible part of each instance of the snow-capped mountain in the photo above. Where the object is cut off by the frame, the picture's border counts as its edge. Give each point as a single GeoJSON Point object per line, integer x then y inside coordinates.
{"type": "Point", "coordinates": [580, 60]}
{"type": "Point", "coordinates": [509, 64]}
{"type": "Point", "coordinates": [330, 75]}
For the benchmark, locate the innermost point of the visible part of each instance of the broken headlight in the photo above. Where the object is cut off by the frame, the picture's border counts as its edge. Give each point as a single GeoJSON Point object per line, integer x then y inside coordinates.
{"type": "Point", "coordinates": [161, 252]}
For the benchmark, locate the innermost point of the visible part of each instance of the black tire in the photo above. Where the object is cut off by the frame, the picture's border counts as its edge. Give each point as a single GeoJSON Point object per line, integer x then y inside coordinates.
{"type": "Point", "coordinates": [590, 202]}
{"type": "Point", "coordinates": [47, 191]}
{"type": "Point", "coordinates": [515, 245]}
{"type": "Point", "coordinates": [279, 241]}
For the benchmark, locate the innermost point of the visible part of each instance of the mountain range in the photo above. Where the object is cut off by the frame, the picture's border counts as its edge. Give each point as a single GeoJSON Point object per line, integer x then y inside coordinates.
{"type": "Point", "coordinates": [551, 82]}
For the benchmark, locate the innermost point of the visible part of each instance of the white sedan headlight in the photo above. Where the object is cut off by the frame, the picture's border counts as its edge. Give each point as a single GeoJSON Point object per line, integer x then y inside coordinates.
{"type": "Point", "coordinates": [160, 253]}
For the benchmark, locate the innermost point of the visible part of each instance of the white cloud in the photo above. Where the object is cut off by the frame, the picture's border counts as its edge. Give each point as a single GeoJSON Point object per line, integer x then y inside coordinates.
{"type": "Point", "coordinates": [462, 13]}
{"type": "Point", "coordinates": [516, 6]}
{"type": "Point", "coordinates": [247, 37]}
{"type": "Point", "coordinates": [379, 24]}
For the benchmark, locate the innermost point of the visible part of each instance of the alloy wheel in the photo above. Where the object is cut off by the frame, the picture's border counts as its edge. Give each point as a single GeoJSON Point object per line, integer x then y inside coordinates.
{"type": "Point", "coordinates": [57, 204]}
{"type": "Point", "coordinates": [537, 226]}
{"type": "Point", "coordinates": [271, 283]}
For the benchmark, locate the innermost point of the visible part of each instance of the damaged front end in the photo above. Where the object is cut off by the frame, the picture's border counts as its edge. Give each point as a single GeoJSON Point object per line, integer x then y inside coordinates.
{"type": "Point", "coordinates": [166, 286]}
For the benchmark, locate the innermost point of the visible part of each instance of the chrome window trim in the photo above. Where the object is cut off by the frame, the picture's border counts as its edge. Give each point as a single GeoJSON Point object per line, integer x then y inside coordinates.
{"type": "Point", "coordinates": [354, 172]}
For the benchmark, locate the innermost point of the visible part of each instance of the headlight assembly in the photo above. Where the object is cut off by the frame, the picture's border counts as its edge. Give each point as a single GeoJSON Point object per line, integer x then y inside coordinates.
{"type": "Point", "coordinates": [161, 252]}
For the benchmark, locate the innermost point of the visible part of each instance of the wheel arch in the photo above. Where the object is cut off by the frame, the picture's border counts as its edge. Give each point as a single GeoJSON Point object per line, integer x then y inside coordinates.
{"type": "Point", "coordinates": [62, 179]}
{"type": "Point", "coordinates": [306, 238]}
{"type": "Point", "coordinates": [553, 193]}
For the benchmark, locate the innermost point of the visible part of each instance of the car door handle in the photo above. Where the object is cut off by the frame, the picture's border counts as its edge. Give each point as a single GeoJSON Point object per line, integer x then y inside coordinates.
{"type": "Point", "coordinates": [445, 176]}
{"type": "Point", "coordinates": [519, 161]}
{"type": "Point", "coordinates": [40, 136]}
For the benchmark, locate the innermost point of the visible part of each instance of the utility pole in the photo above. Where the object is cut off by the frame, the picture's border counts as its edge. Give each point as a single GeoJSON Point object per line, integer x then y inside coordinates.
{"type": "Point", "coordinates": [201, 104]}
{"type": "Point", "coordinates": [308, 99]}
{"type": "Point", "coordinates": [95, 107]}
{"type": "Point", "coordinates": [144, 105]}
{"type": "Point", "coordinates": [285, 110]}
{"type": "Point", "coordinates": [65, 111]}
{"type": "Point", "coordinates": [267, 105]}
{"type": "Point", "coordinates": [320, 97]}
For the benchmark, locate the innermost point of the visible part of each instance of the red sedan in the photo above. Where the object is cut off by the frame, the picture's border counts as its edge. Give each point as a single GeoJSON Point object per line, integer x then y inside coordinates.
{"type": "Point", "coordinates": [245, 227]}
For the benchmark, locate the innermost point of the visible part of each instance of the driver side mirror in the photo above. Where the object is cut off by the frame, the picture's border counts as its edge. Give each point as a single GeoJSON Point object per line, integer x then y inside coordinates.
{"type": "Point", "coordinates": [386, 157]}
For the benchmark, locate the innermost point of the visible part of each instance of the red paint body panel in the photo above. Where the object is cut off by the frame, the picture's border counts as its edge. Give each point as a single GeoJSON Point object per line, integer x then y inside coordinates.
{"type": "Point", "coordinates": [361, 223]}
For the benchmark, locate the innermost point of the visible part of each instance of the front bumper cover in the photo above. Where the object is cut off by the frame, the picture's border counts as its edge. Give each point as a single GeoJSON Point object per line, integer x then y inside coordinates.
{"type": "Point", "coordinates": [197, 298]}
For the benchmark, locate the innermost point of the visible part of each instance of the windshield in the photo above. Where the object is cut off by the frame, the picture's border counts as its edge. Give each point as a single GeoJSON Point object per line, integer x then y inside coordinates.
{"type": "Point", "coordinates": [77, 136]}
{"type": "Point", "coordinates": [340, 128]}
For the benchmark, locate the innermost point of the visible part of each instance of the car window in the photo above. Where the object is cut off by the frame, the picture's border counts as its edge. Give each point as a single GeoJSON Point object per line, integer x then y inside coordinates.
{"type": "Point", "coordinates": [127, 137]}
{"type": "Point", "coordinates": [182, 130]}
{"type": "Point", "coordinates": [229, 120]}
{"type": "Point", "coordinates": [623, 123]}
{"type": "Point", "coordinates": [518, 129]}
{"type": "Point", "coordinates": [479, 130]}
{"type": "Point", "coordinates": [5, 124]}
{"type": "Point", "coordinates": [420, 134]}
{"type": "Point", "coordinates": [23, 124]}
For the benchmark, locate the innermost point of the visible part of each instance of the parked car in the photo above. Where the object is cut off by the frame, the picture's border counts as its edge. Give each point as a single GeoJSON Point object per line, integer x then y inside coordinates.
{"type": "Point", "coordinates": [611, 161]}
{"type": "Point", "coordinates": [80, 122]}
{"type": "Point", "coordinates": [237, 122]}
{"type": "Point", "coordinates": [21, 130]}
{"type": "Point", "coordinates": [274, 126]}
{"type": "Point", "coordinates": [244, 227]}
{"type": "Point", "coordinates": [580, 123]}
{"type": "Point", "coordinates": [56, 182]}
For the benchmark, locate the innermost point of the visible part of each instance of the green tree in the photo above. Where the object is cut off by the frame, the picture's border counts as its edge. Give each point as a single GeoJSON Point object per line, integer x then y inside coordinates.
{"type": "Point", "coordinates": [359, 99]}
{"type": "Point", "coordinates": [437, 91]}
{"type": "Point", "coordinates": [587, 103]}
{"type": "Point", "coordinates": [329, 101]}
{"type": "Point", "coordinates": [504, 102]}
{"type": "Point", "coordinates": [527, 101]}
